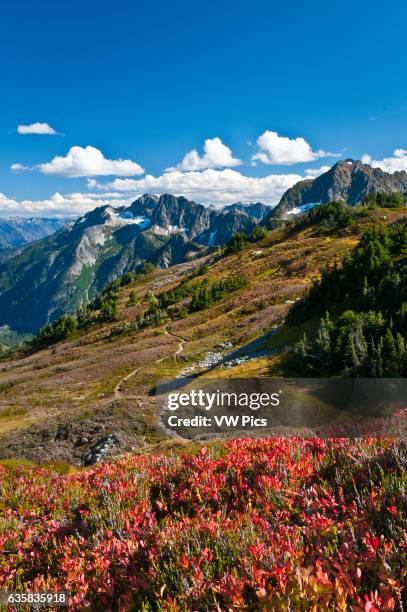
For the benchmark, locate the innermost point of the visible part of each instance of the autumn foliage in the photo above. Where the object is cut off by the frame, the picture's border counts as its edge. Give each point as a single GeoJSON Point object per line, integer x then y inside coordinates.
{"type": "Point", "coordinates": [274, 524]}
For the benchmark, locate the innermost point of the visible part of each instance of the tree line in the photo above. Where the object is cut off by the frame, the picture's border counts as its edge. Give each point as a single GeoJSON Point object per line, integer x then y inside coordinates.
{"type": "Point", "coordinates": [201, 295]}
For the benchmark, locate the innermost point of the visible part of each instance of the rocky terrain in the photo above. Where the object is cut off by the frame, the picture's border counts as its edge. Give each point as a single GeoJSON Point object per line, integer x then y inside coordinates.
{"type": "Point", "coordinates": [68, 269]}
{"type": "Point", "coordinates": [347, 180]}
{"type": "Point", "coordinates": [254, 209]}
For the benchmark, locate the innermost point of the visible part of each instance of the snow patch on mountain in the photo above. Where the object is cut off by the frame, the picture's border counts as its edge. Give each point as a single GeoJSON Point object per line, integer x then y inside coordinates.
{"type": "Point", "coordinates": [121, 218]}
{"type": "Point", "coordinates": [170, 229]}
{"type": "Point", "coordinates": [301, 209]}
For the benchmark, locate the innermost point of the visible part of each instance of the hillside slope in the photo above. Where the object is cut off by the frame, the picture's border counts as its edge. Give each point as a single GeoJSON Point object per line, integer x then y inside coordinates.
{"type": "Point", "coordinates": [203, 530]}
{"type": "Point", "coordinates": [93, 388]}
{"type": "Point", "coordinates": [362, 307]}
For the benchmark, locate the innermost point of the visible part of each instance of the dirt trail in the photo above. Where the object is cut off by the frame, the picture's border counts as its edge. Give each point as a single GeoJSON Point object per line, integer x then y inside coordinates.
{"type": "Point", "coordinates": [180, 348]}
{"type": "Point", "coordinates": [117, 393]}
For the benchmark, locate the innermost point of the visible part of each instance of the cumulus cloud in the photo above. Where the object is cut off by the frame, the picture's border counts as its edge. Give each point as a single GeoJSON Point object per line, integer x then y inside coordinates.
{"type": "Point", "coordinates": [86, 161]}
{"type": "Point", "coordinates": [314, 172]}
{"type": "Point", "coordinates": [388, 164]}
{"type": "Point", "coordinates": [216, 155]}
{"type": "Point", "coordinates": [60, 205]}
{"type": "Point", "coordinates": [210, 186]}
{"type": "Point", "coordinates": [37, 128]}
{"type": "Point", "coordinates": [280, 150]}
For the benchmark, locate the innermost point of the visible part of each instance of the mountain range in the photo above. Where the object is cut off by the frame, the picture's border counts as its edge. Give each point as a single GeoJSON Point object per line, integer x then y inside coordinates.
{"type": "Point", "coordinates": [78, 396]}
{"type": "Point", "coordinates": [255, 209]}
{"type": "Point", "coordinates": [18, 231]}
{"type": "Point", "coordinates": [69, 268]}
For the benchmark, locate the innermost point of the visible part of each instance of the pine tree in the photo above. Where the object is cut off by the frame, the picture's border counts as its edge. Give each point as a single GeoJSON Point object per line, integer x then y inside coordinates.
{"type": "Point", "coordinates": [389, 354]}
{"type": "Point", "coordinates": [133, 299]}
{"type": "Point", "coordinates": [356, 348]}
{"type": "Point", "coordinates": [323, 340]}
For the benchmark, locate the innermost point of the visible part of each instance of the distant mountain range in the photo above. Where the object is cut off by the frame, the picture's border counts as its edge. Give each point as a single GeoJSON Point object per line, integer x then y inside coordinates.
{"type": "Point", "coordinates": [254, 209]}
{"type": "Point", "coordinates": [62, 272]}
{"type": "Point", "coordinates": [18, 231]}
{"type": "Point", "coordinates": [347, 180]}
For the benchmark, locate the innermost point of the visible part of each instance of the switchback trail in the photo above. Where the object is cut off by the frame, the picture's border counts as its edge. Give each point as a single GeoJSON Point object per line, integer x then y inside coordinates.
{"type": "Point", "coordinates": [181, 342]}
{"type": "Point", "coordinates": [117, 393]}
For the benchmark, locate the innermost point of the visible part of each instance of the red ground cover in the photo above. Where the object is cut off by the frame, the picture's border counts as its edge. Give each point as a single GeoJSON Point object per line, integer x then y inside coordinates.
{"type": "Point", "coordinates": [273, 524]}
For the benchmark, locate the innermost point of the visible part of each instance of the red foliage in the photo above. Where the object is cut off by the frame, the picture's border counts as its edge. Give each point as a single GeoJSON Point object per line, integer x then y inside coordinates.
{"type": "Point", "coordinates": [272, 524]}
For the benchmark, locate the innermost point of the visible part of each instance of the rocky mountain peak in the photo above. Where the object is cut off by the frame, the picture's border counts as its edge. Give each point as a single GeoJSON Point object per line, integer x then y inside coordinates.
{"type": "Point", "coordinates": [69, 268]}
{"type": "Point", "coordinates": [349, 180]}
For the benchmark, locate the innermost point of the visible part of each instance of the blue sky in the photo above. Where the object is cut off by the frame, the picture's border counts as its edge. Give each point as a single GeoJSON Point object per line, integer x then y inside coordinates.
{"type": "Point", "coordinates": [151, 81]}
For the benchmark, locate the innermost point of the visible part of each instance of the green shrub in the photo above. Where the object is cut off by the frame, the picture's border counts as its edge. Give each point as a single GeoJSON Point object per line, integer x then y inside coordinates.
{"type": "Point", "coordinates": [237, 243]}
{"type": "Point", "coordinates": [383, 199]}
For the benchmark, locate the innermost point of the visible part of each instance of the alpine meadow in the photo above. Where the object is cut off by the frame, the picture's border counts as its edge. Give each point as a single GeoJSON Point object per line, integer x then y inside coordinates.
{"type": "Point", "coordinates": [203, 307]}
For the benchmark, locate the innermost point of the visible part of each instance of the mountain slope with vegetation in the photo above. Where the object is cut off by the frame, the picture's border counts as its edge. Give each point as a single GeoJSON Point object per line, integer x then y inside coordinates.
{"type": "Point", "coordinates": [67, 270]}
{"type": "Point", "coordinates": [85, 384]}
{"type": "Point", "coordinates": [363, 309]}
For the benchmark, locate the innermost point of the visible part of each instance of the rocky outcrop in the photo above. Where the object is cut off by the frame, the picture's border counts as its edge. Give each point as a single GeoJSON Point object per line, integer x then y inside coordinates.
{"type": "Point", "coordinates": [107, 446]}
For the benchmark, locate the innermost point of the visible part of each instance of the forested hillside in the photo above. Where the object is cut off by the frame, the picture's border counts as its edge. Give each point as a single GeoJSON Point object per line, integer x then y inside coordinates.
{"type": "Point", "coordinates": [363, 310]}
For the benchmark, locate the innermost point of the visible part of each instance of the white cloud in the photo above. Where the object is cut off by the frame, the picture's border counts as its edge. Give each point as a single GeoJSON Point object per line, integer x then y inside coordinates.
{"type": "Point", "coordinates": [60, 205]}
{"type": "Point", "coordinates": [37, 128]}
{"type": "Point", "coordinates": [314, 172]}
{"type": "Point", "coordinates": [207, 187]}
{"type": "Point", "coordinates": [19, 167]}
{"type": "Point", "coordinates": [216, 155]}
{"type": "Point", "coordinates": [86, 161]}
{"type": "Point", "coordinates": [388, 164]}
{"type": "Point", "coordinates": [210, 186]}
{"type": "Point", "coordinates": [280, 150]}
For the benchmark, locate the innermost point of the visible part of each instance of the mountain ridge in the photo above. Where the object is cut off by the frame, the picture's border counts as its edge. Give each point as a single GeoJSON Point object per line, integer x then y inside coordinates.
{"type": "Point", "coordinates": [347, 180]}
{"type": "Point", "coordinates": [69, 268]}
{"type": "Point", "coordinates": [62, 400]}
{"type": "Point", "coordinates": [258, 210]}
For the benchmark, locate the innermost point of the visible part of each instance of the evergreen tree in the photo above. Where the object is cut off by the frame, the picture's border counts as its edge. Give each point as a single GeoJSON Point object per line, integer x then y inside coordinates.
{"type": "Point", "coordinates": [133, 299]}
